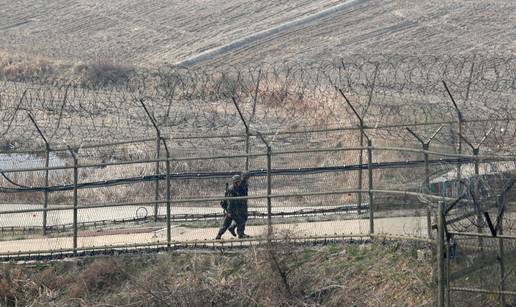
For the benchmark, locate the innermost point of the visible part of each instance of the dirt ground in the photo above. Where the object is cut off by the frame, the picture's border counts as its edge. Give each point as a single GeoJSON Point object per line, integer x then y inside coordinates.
{"type": "Point", "coordinates": [149, 32]}
{"type": "Point", "coordinates": [55, 218]}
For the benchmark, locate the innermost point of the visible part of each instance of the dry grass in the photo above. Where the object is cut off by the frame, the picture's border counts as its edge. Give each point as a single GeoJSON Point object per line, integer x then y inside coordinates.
{"type": "Point", "coordinates": [100, 276]}
{"type": "Point", "coordinates": [143, 191]}
{"type": "Point", "coordinates": [15, 67]}
{"type": "Point", "coordinates": [101, 72]}
{"type": "Point", "coordinates": [285, 274]}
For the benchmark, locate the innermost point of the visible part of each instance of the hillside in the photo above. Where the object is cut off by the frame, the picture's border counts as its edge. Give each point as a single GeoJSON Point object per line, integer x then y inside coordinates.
{"type": "Point", "coordinates": [148, 33]}
{"type": "Point", "coordinates": [357, 274]}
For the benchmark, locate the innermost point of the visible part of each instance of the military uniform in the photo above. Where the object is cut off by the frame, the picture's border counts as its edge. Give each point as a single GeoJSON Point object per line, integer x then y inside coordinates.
{"type": "Point", "coordinates": [236, 211]}
{"type": "Point", "coordinates": [244, 187]}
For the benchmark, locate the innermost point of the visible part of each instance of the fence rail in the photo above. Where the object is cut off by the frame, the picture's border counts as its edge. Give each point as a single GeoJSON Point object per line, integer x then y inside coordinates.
{"type": "Point", "coordinates": [354, 211]}
{"type": "Point", "coordinates": [418, 148]}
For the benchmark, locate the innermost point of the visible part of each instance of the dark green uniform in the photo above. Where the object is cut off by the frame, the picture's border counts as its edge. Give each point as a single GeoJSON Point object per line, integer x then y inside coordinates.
{"type": "Point", "coordinates": [236, 210]}
{"type": "Point", "coordinates": [244, 188]}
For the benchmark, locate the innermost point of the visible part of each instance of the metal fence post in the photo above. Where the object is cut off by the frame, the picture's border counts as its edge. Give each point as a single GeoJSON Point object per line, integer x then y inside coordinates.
{"type": "Point", "coordinates": [476, 194]}
{"type": "Point", "coordinates": [269, 191]}
{"type": "Point", "coordinates": [480, 219]}
{"type": "Point", "coordinates": [370, 185]}
{"type": "Point", "coordinates": [246, 132]}
{"type": "Point", "coordinates": [47, 162]}
{"type": "Point", "coordinates": [426, 146]}
{"type": "Point", "coordinates": [427, 186]}
{"type": "Point", "coordinates": [45, 195]}
{"type": "Point", "coordinates": [501, 205]}
{"type": "Point", "coordinates": [169, 232]}
{"type": "Point", "coordinates": [247, 150]}
{"type": "Point", "coordinates": [269, 186]}
{"type": "Point", "coordinates": [460, 120]}
{"type": "Point", "coordinates": [156, 184]}
{"type": "Point", "coordinates": [75, 200]}
{"type": "Point", "coordinates": [440, 255]}
{"type": "Point", "coordinates": [447, 266]}
{"type": "Point", "coordinates": [360, 170]}
{"type": "Point", "coordinates": [502, 270]}
{"type": "Point", "coordinates": [158, 144]}
{"type": "Point", "coordinates": [361, 153]}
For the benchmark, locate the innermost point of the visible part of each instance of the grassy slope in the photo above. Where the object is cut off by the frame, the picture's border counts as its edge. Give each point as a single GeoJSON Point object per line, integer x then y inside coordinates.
{"type": "Point", "coordinates": [378, 274]}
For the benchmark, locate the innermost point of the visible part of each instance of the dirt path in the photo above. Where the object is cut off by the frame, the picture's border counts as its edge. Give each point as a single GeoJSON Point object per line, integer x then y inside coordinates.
{"type": "Point", "coordinates": [263, 35]}
{"type": "Point", "coordinates": [33, 219]}
{"type": "Point", "coordinates": [414, 226]}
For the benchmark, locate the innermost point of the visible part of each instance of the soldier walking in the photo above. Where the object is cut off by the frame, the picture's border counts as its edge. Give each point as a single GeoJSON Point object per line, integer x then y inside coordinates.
{"type": "Point", "coordinates": [234, 209]}
{"type": "Point", "coordinates": [244, 188]}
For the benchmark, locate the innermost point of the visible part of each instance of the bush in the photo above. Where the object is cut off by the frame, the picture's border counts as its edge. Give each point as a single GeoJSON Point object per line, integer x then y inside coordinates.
{"type": "Point", "coordinates": [102, 72]}
{"type": "Point", "coordinates": [100, 275]}
{"type": "Point", "coordinates": [98, 73]}
{"type": "Point", "coordinates": [11, 286]}
{"type": "Point", "coordinates": [18, 68]}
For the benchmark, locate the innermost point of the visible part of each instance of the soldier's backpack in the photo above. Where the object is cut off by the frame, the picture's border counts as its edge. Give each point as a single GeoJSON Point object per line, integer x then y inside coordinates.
{"type": "Point", "coordinates": [224, 203]}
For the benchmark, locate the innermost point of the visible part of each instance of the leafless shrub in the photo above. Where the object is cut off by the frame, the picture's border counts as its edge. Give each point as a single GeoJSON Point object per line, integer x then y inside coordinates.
{"type": "Point", "coordinates": [11, 286]}
{"type": "Point", "coordinates": [52, 279]}
{"type": "Point", "coordinates": [103, 73]}
{"type": "Point", "coordinates": [18, 68]}
{"type": "Point", "coordinates": [185, 285]}
{"type": "Point", "coordinates": [17, 288]}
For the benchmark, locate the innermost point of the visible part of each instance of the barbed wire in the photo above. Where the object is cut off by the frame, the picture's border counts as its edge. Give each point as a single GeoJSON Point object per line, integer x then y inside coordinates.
{"type": "Point", "coordinates": [384, 90]}
{"type": "Point", "coordinates": [388, 92]}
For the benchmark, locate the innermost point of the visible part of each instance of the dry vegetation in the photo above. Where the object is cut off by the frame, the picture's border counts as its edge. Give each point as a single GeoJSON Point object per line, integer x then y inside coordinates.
{"type": "Point", "coordinates": [22, 68]}
{"type": "Point", "coordinates": [16, 67]}
{"type": "Point", "coordinates": [377, 274]}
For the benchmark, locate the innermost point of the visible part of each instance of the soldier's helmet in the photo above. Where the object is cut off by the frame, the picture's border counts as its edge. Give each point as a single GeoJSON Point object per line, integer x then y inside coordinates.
{"type": "Point", "coordinates": [236, 178]}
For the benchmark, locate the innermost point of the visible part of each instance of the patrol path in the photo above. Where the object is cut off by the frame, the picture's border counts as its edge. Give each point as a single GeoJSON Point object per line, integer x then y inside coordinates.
{"type": "Point", "coordinates": [90, 215]}
{"type": "Point", "coordinates": [408, 226]}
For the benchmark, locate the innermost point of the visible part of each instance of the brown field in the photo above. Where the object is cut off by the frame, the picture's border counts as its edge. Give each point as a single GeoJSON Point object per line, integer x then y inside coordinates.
{"type": "Point", "coordinates": [146, 33]}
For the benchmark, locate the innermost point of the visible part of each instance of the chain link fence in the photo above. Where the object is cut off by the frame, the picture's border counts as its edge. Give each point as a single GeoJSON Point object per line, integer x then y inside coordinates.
{"type": "Point", "coordinates": [93, 201]}
{"type": "Point", "coordinates": [351, 149]}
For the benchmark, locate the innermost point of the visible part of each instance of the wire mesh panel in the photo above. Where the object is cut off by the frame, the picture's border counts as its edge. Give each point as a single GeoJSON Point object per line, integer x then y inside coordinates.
{"type": "Point", "coordinates": [304, 117]}
{"type": "Point", "coordinates": [122, 194]}
{"type": "Point", "coordinates": [482, 270]}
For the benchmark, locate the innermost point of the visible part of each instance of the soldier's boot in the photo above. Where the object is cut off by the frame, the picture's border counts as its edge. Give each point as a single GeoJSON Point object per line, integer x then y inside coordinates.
{"type": "Point", "coordinates": [232, 231]}
{"type": "Point", "coordinates": [219, 234]}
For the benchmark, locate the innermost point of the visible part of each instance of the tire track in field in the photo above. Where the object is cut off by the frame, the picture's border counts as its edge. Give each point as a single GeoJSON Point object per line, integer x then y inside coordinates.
{"type": "Point", "coordinates": [290, 38]}
{"type": "Point", "coordinates": [250, 39]}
